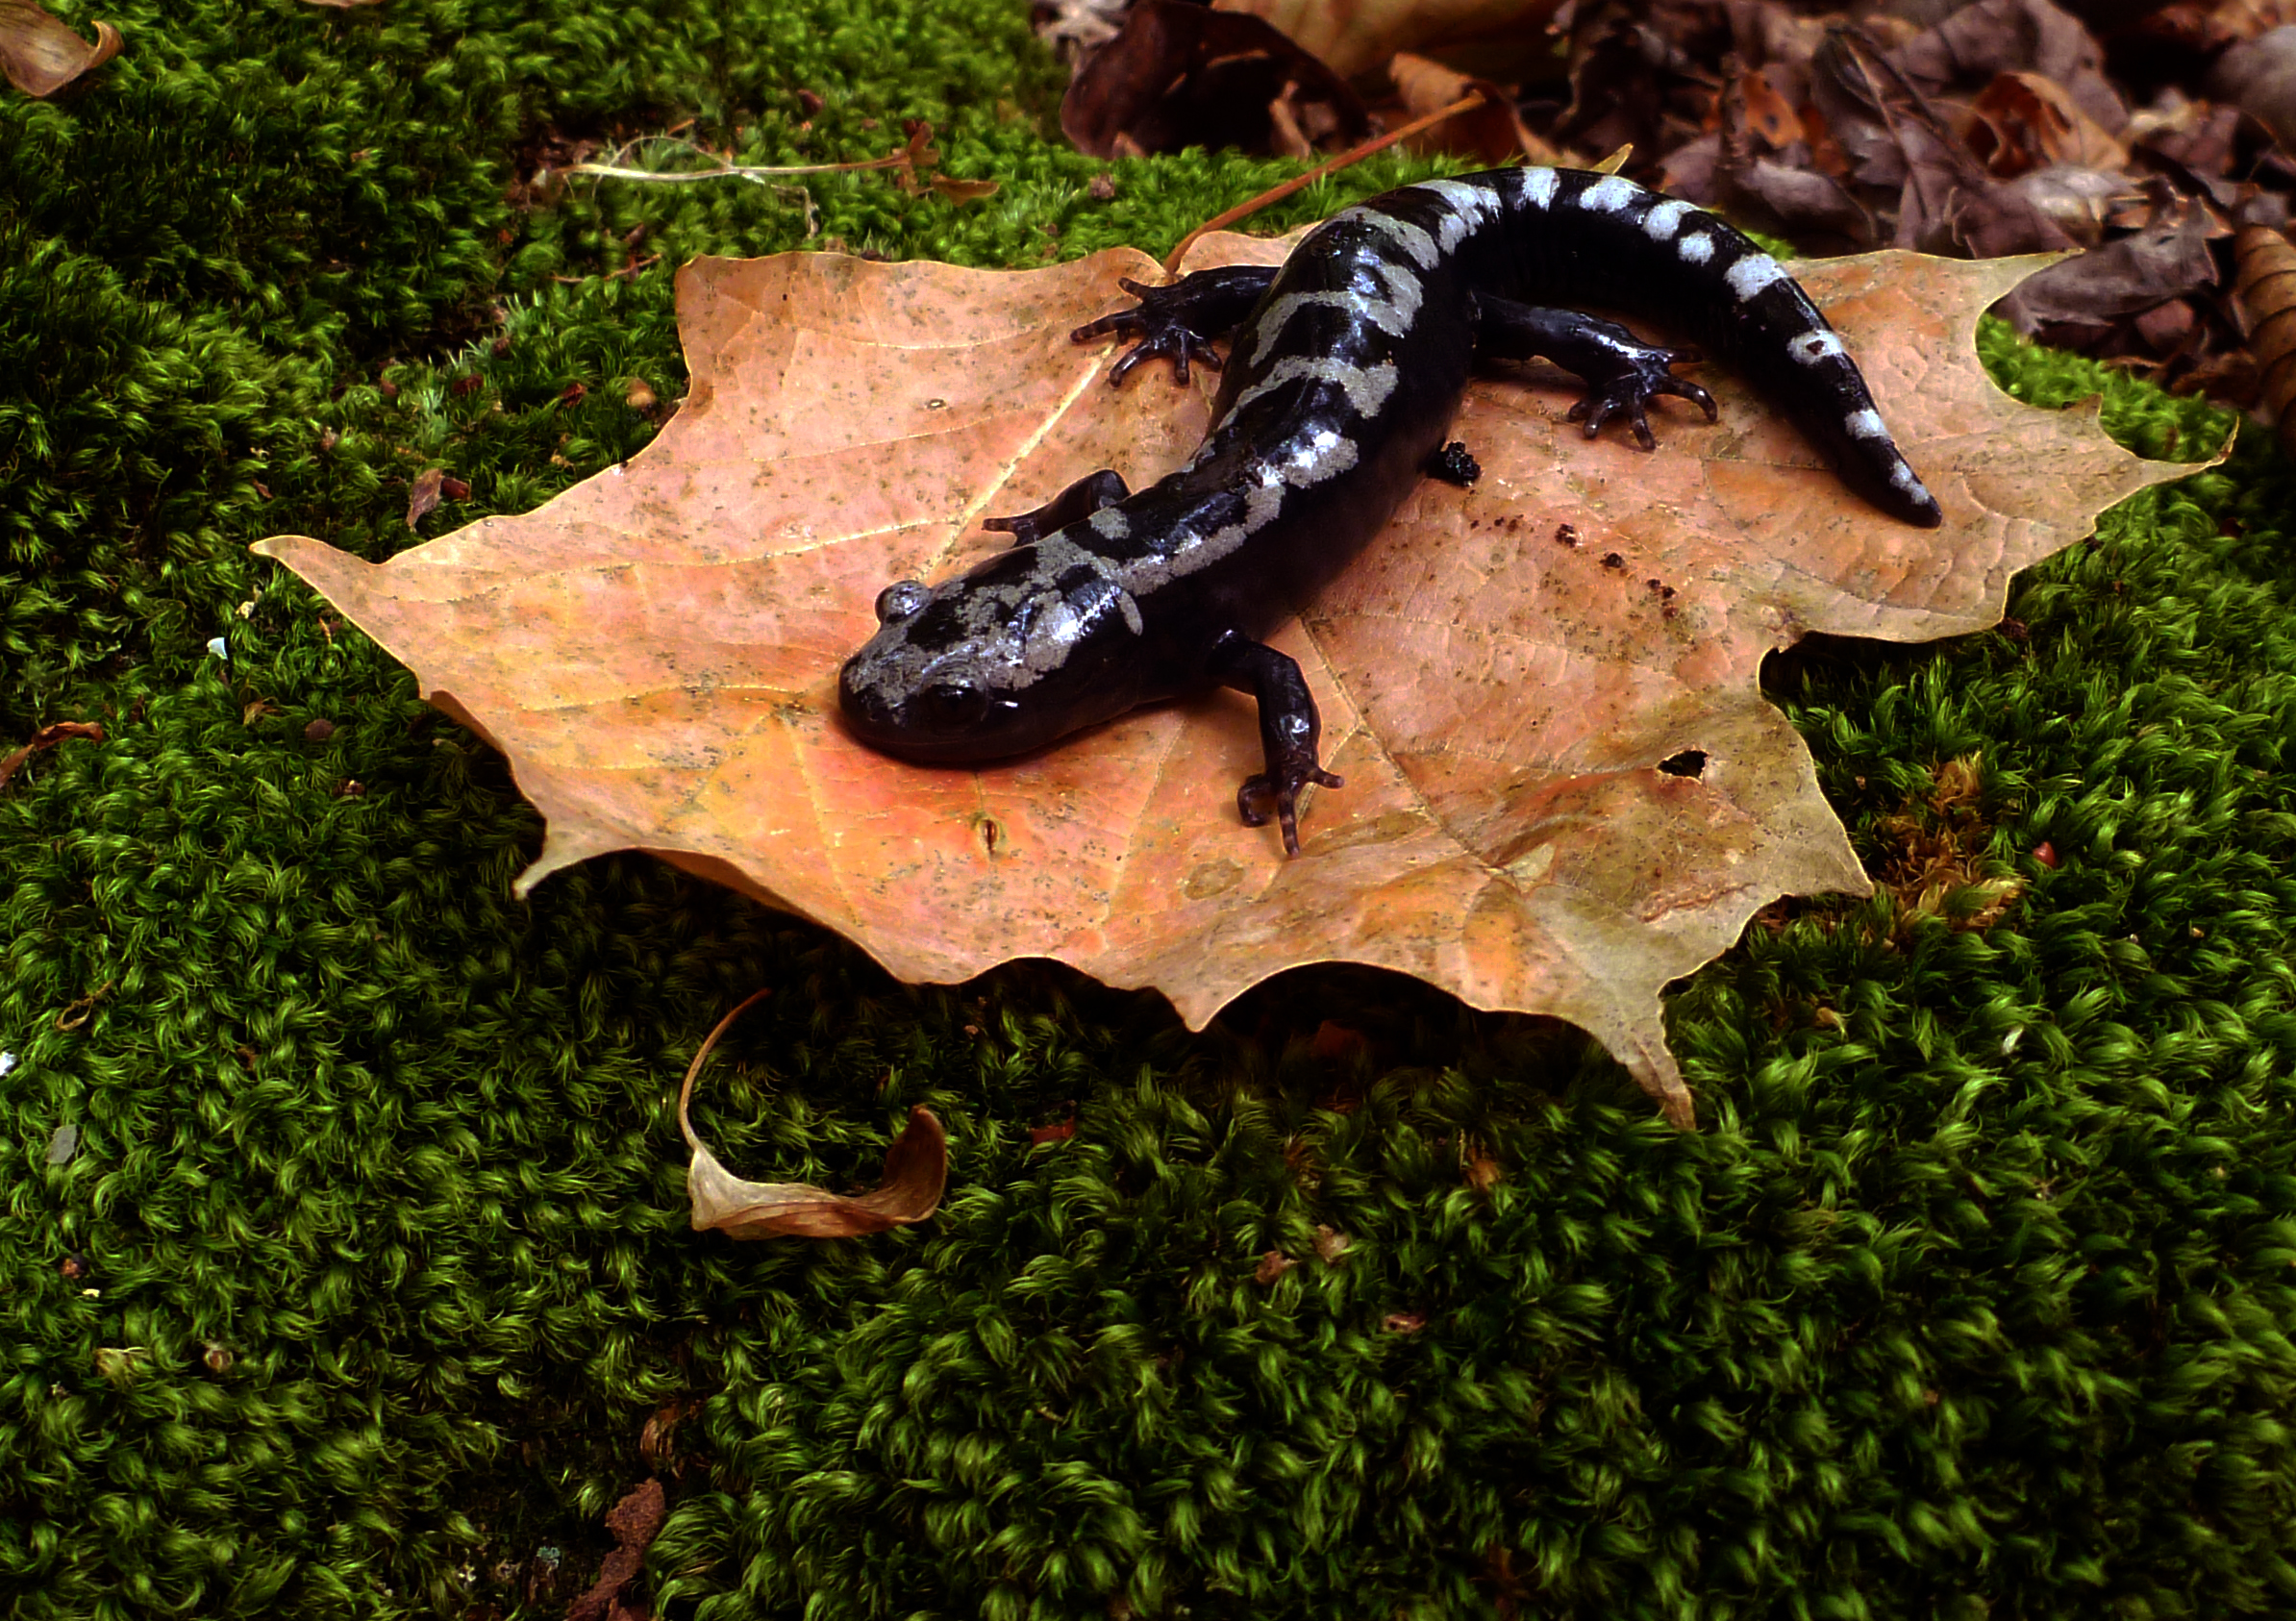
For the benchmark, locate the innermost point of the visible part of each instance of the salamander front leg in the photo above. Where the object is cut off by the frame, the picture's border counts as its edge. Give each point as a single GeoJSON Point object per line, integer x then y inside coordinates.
{"type": "Point", "coordinates": [1073, 505]}
{"type": "Point", "coordinates": [1289, 732]}
{"type": "Point", "coordinates": [1181, 321]}
{"type": "Point", "coordinates": [1622, 373]}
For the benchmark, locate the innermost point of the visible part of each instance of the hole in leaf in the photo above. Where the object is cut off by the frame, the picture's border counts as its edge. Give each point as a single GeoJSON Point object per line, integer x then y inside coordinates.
{"type": "Point", "coordinates": [1691, 762]}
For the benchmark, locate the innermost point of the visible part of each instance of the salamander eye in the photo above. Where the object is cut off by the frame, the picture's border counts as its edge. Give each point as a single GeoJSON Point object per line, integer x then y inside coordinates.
{"type": "Point", "coordinates": [952, 704]}
{"type": "Point", "coordinates": [901, 600]}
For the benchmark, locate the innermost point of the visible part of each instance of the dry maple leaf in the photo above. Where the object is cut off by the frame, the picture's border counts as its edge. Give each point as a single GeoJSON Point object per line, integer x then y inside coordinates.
{"type": "Point", "coordinates": [1564, 787]}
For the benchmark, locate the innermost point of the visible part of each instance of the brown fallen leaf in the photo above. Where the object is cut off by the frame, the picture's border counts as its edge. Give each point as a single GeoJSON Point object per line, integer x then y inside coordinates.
{"type": "Point", "coordinates": [2165, 260]}
{"type": "Point", "coordinates": [1896, 140]}
{"type": "Point", "coordinates": [916, 1168]}
{"type": "Point", "coordinates": [41, 55]}
{"type": "Point", "coordinates": [633, 1523]}
{"type": "Point", "coordinates": [1500, 36]}
{"type": "Point", "coordinates": [2023, 121]}
{"type": "Point", "coordinates": [1972, 44]}
{"type": "Point", "coordinates": [1490, 132]}
{"type": "Point", "coordinates": [963, 190]}
{"type": "Point", "coordinates": [422, 496]}
{"type": "Point", "coordinates": [47, 738]}
{"type": "Point", "coordinates": [656, 649]}
{"type": "Point", "coordinates": [1180, 75]}
{"type": "Point", "coordinates": [2265, 274]}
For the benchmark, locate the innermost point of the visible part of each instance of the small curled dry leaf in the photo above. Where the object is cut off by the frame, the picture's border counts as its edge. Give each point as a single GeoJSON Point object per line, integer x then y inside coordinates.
{"type": "Point", "coordinates": [40, 55]}
{"type": "Point", "coordinates": [47, 738]}
{"type": "Point", "coordinates": [657, 1441]}
{"type": "Point", "coordinates": [2265, 275]}
{"type": "Point", "coordinates": [1331, 1243]}
{"type": "Point", "coordinates": [1272, 1265]}
{"type": "Point", "coordinates": [963, 190]}
{"type": "Point", "coordinates": [1180, 75]}
{"type": "Point", "coordinates": [1501, 37]}
{"type": "Point", "coordinates": [1491, 131]}
{"type": "Point", "coordinates": [424, 495]}
{"type": "Point", "coordinates": [917, 1169]}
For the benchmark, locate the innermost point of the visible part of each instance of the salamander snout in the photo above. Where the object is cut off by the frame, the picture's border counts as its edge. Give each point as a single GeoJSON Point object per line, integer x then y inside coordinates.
{"type": "Point", "coordinates": [917, 706]}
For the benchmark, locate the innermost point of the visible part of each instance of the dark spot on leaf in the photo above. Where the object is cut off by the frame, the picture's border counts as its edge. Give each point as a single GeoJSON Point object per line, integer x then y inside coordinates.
{"type": "Point", "coordinates": [1691, 762]}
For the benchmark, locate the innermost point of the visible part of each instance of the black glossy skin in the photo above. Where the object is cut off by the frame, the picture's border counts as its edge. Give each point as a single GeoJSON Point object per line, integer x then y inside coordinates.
{"type": "Point", "coordinates": [1344, 371]}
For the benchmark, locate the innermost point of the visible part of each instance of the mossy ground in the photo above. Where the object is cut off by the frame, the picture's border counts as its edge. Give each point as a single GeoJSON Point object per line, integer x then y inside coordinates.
{"type": "Point", "coordinates": [367, 1287]}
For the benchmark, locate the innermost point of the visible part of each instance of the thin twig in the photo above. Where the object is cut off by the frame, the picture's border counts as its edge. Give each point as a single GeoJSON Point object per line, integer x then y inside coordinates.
{"type": "Point", "coordinates": [729, 171]}
{"type": "Point", "coordinates": [1465, 104]}
{"type": "Point", "coordinates": [918, 151]}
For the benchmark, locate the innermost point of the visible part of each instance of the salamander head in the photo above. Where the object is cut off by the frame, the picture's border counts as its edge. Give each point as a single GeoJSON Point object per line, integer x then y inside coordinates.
{"type": "Point", "coordinates": [996, 662]}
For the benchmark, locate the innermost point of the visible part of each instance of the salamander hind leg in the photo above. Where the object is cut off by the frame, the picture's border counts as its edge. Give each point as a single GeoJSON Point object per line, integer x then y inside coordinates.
{"type": "Point", "coordinates": [1622, 373]}
{"type": "Point", "coordinates": [1181, 322]}
{"type": "Point", "coordinates": [1089, 494]}
{"type": "Point", "coordinates": [1289, 732]}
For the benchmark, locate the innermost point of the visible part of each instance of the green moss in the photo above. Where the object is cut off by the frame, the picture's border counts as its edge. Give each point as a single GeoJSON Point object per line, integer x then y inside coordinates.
{"type": "Point", "coordinates": [367, 1288]}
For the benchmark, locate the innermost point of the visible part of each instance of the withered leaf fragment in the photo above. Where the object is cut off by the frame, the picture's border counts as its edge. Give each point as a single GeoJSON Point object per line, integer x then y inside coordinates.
{"type": "Point", "coordinates": [1492, 132]}
{"type": "Point", "coordinates": [40, 55]}
{"type": "Point", "coordinates": [422, 497]}
{"type": "Point", "coordinates": [633, 1523]}
{"type": "Point", "coordinates": [1499, 38]}
{"type": "Point", "coordinates": [2266, 277]}
{"type": "Point", "coordinates": [2166, 260]}
{"type": "Point", "coordinates": [47, 738]}
{"type": "Point", "coordinates": [1182, 75]}
{"type": "Point", "coordinates": [916, 1168]}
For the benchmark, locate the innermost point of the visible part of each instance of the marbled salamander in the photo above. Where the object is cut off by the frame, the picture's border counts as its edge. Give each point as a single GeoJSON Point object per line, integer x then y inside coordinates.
{"type": "Point", "coordinates": [1344, 369]}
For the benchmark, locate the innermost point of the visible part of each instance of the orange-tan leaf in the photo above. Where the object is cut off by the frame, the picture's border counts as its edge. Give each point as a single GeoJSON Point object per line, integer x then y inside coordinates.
{"type": "Point", "coordinates": [1564, 787]}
